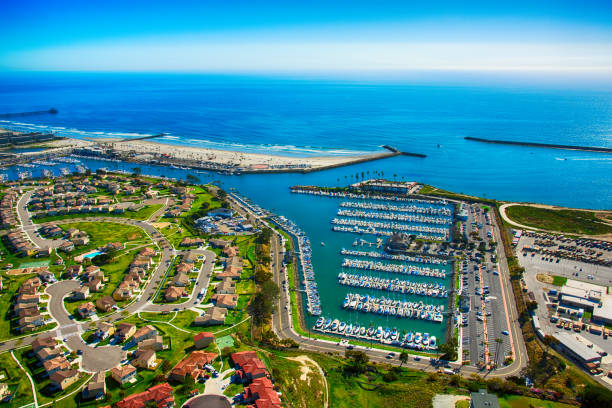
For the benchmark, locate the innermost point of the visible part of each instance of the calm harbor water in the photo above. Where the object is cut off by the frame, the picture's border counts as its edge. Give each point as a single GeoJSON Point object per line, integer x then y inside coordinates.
{"type": "Point", "coordinates": [313, 118]}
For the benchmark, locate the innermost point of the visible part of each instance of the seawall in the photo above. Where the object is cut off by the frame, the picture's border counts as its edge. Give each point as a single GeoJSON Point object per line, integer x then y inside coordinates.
{"type": "Point", "coordinates": [543, 145]}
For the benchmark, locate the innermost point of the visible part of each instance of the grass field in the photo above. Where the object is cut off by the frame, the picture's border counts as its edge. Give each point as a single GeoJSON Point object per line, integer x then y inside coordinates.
{"type": "Point", "coordinates": [42, 383]}
{"type": "Point", "coordinates": [142, 214]}
{"type": "Point", "coordinates": [17, 382]}
{"type": "Point", "coordinates": [566, 221]}
{"type": "Point", "coordinates": [559, 280]}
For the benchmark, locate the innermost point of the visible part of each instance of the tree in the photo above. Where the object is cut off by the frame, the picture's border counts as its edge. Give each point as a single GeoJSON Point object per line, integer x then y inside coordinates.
{"type": "Point", "coordinates": [357, 362]}
{"type": "Point", "coordinates": [595, 396]}
{"type": "Point", "coordinates": [403, 358]}
{"type": "Point", "coordinates": [166, 366]}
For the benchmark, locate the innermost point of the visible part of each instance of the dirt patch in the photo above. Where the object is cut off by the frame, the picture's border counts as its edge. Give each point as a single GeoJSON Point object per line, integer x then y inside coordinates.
{"type": "Point", "coordinates": [545, 278]}
{"type": "Point", "coordinates": [307, 366]}
{"type": "Point", "coordinates": [160, 225]}
{"type": "Point", "coordinates": [133, 236]}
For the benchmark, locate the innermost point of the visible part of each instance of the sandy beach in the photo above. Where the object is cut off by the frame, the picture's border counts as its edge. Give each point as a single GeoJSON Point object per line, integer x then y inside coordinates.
{"type": "Point", "coordinates": [148, 150]}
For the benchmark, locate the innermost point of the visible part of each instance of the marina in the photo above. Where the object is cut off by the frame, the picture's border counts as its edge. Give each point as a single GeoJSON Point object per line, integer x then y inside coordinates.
{"type": "Point", "coordinates": [393, 268]}
{"type": "Point", "coordinates": [417, 341]}
{"type": "Point", "coordinates": [396, 257]}
{"type": "Point", "coordinates": [392, 307]}
{"type": "Point", "coordinates": [393, 285]}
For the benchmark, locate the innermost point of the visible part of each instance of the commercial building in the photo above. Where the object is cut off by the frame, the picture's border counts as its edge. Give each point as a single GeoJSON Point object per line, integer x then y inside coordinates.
{"type": "Point", "coordinates": [575, 346]}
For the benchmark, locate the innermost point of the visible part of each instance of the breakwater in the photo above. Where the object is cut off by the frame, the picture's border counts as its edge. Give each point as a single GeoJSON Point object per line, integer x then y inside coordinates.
{"type": "Point", "coordinates": [543, 145]}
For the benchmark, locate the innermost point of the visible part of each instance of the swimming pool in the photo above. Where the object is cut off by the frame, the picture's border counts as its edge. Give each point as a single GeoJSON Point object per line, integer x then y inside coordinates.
{"type": "Point", "coordinates": [92, 254]}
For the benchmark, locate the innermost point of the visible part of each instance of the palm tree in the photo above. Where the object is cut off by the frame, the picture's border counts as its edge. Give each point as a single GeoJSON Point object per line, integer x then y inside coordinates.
{"type": "Point", "coordinates": [403, 358]}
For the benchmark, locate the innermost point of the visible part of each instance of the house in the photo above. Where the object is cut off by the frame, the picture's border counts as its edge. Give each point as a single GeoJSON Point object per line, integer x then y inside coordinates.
{"type": "Point", "coordinates": [227, 286]}
{"type": "Point", "coordinates": [46, 251]}
{"type": "Point", "coordinates": [190, 258]}
{"type": "Point", "coordinates": [30, 287]}
{"type": "Point", "coordinates": [95, 285]}
{"type": "Point", "coordinates": [47, 353]}
{"type": "Point", "coordinates": [104, 330]}
{"type": "Point", "coordinates": [219, 243]}
{"type": "Point", "coordinates": [123, 374]}
{"type": "Point", "coordinates": [32, 311]}
{"type": "Point", "coordinates": [67, 246]}
{"type": "Point", "coordinates": [63, 379]}
{"type": "Point", "coordinates": [19, 308]}
{"type": "Point", "coordinates": [125, 331]}
{"type": "Point", "coordinates": [105, 304]}
{"type": "Point", "coordinates": [183, 268]}
{"type": "Point", "coordinates": [160, 394]}
{"type": "Point", "coordinates": [154, 343]}
{"type": "Point", "coordinates": [93, 272]}
{"type": "Point", "coordinates": [56, 364]}
{"type": "Point", "coordinates": [232, 272]}
{"type": "Point", "coordinates": [46, 276]}
{"type": "Point", "coordinates": [251, 370]}
{"type": "Point", "coordinates": [96, 388]}
{"type": "Point", "coordinates": [482, 399]}
{"type": "Point", "coordinates": [261, 391]}
{"type": "Point", "coordinates": [242, 357]}
{"type": "Point", "coordinates": [29, 323]}
{"type": "Point", "coordinates": [174, 293]}
{"type": "Point", "coordinates": [74, 270]}
{"type": "Point", "coordinates": [203, 339]}
{"type": "Point", "coordinates": [86, 309]}
{"type": "Point", "coordinates": [144, 358]}
{"type": "Point", "coordinates": [122, 293]}
{"type": "Point", "coordinates": [81, 240]}
{"type": "Point", "coordinates": [42, 342]}
{"type": "Point", "coordinates": [181, 279]}
{"type": "Point", "coordinates": [213, 316]}
{"type": "Point", "coordinates": [225, 301]}
{"type": "Point", "coordinates": [231, 251]}
{"type": "Point", "coordinates": [144, 333]}
{"type": "Point", "coordinates": [81, 293]}
{"type": "Point", "coordinates": [192, 366]}
{"type": "Point", "coordinates": [25, 298]}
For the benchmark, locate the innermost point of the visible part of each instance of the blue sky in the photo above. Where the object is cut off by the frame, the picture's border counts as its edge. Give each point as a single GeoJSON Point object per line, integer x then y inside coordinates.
{"type": "Point", "coordinates": [564, 37]}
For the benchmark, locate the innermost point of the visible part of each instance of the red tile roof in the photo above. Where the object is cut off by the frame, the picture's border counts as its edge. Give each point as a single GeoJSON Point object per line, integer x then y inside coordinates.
{"type": "Point", "coordinates": [161, 394]}
{"type": "Point", "coordinates": [242, 357]}
{"type": "Point", "coordinates": [203, 335]}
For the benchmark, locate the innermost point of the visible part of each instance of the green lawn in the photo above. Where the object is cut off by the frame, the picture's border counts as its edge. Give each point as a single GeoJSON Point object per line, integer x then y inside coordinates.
{"type": "Point", "coordinates": [141, 214]}
{"type": "Point", "coordinates": [566, 221]}
{"type": "Point", "coordinates": [101, 233]}
{"type": "Point", "coordinates": [17, 381]}
{"type": "Point", "coordinates": [44, 395]}
{"type": "Point", "coordinates": [559, 280]}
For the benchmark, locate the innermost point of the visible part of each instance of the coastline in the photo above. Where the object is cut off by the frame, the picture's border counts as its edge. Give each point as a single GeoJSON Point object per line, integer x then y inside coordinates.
{"type": "Point", "coordinates": [147, 151]}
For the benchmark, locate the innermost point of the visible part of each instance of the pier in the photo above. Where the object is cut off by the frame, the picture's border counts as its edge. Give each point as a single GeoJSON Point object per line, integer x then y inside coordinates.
{"type": "Point", "coordinates": [51, 111]}
{"type": "Point", "coordinates": [543, 145]}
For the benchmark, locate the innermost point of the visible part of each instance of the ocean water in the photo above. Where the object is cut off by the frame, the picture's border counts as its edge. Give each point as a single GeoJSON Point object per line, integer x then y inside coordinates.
{"type": "Point", "coordinates": [304, 118]}
{"type": "Point", "coordinates": [309, 117]}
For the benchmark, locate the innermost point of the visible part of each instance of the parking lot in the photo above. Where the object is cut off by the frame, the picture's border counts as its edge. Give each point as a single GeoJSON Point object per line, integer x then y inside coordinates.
{"type": "Point", "coordinates": [485, 330]}
{"type": "Point", "coordinates": [568, 268]}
